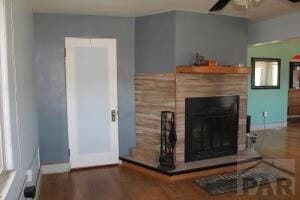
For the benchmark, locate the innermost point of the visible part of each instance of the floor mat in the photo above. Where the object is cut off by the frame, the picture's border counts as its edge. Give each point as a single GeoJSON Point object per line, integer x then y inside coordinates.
{"type": "Point", "coordinates": [232, 182]}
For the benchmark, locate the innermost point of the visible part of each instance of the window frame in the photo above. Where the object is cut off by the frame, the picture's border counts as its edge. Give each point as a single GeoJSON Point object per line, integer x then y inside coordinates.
{"type": "Point", "coordinates": [5, 115]}
{"type": "Point", "coordinates": [253, 61]}
{"type": "Point", "coordinates": [2, 146]}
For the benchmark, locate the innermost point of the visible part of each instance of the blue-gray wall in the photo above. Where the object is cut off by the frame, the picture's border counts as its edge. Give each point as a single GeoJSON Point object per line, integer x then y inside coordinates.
{"type": "Point", "coordinates": [280, 28]}
{"type": "Point", "coordinates": [216, 37]}
{"type": "Point", "coordinates": [155, 43]}
{"type": "Point", "coordinates": [166, 40]}
{"type": "Point", "coordinates": [50, 32]}
{"type": "Point", "coordinates": [148, 44]}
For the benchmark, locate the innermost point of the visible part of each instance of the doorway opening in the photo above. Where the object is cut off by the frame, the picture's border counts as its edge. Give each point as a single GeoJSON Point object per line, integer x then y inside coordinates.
{"type": "Point", "coordinates": [294, 89]}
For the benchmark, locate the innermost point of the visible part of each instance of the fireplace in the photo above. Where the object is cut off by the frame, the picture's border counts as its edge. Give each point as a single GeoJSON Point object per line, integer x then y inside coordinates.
{"type": "Point", "coordinates": [211, 127]}
{"type": "Point", "coordinates": [219, 98]}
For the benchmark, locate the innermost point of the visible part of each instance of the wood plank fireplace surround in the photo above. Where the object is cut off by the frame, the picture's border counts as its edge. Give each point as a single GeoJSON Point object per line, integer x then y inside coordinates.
{"type": "Point", "coordinates": [191, 89]}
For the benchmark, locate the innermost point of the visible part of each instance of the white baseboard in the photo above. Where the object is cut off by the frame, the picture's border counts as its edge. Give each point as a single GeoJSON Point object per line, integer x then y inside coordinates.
{"type": "Point", "coordinates": [269, 126]}
{"type": "Point", "coordinates": [55, 168]}
{"type": "Point", "coordinates": [38, 186]}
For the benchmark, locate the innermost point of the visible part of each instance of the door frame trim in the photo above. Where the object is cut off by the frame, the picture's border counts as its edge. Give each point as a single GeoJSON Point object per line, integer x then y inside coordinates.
{"type": "Point", "coordinates": [71, 42]}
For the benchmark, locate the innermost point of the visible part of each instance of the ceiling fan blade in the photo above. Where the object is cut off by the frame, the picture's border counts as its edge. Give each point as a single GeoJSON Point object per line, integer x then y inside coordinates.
{"type": "Point", "coordinates": [294, 1]}
{"type": "Point", "coordinates": [219, 5]}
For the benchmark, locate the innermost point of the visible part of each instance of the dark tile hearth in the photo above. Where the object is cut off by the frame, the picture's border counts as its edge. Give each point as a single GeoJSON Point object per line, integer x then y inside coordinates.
{"type": "Point", "coordinates": [201, 165]}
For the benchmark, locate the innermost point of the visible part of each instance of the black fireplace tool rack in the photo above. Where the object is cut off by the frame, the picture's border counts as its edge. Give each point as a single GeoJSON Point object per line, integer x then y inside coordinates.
{"type": "Point", "coordinates": [167, 156]}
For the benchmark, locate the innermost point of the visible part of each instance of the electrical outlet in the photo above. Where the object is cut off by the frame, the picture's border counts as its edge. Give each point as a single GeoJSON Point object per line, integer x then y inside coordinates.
{"type": "Point", "coordinates": [265, 114]}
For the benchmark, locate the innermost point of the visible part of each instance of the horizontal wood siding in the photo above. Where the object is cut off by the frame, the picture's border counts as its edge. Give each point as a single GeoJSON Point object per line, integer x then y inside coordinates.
{"type": "Point", "coordinates": [159, 92]}
{"type": "Point", "coordinates": [153, 94]}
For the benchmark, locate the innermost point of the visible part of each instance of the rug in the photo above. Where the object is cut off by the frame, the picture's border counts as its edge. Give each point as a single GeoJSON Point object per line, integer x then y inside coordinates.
{"type": "Point", "coordinates": [232, 182]}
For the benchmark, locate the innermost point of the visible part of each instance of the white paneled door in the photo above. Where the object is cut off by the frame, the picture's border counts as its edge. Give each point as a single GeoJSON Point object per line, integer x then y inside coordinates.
{"type": "Point", "coordinates": [91, 78]}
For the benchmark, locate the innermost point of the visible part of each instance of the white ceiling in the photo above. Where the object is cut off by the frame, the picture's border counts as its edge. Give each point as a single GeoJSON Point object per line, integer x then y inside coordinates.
{"type": "Point", "coordinates": [268, 8]}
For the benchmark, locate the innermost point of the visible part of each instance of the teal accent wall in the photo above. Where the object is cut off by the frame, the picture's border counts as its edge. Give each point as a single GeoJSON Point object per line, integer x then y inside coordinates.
{"type": "Point", "coordinates": [274, 101]}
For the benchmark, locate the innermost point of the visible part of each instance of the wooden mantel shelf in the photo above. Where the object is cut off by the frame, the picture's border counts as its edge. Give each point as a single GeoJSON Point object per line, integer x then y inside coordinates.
{"type": "Point", "coordinates": [213, 69]}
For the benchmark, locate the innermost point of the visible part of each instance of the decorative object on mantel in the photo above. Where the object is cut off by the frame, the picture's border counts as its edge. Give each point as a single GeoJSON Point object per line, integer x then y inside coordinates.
{"type": "Point", "coordinates": [199, 60]}
{"type": "Point", "coordinates": [168, 141]}
{"type": "Point", "coordinates": [212, 63]}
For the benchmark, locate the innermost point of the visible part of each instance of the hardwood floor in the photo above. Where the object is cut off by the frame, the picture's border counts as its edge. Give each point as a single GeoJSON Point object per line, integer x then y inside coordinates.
{"type": "Point", "coordinates": [116, 183]}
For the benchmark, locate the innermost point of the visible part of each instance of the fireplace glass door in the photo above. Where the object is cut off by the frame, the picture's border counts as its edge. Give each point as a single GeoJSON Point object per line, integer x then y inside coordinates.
{"type": "Point", "coordinates": [211, 127]}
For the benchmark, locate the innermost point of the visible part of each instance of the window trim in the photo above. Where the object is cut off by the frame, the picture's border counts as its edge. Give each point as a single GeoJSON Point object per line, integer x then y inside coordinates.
{"type": "Point", "coordinates": [8, 174]}
{"type": "Point", "coordinates": [7, 153]}
{"type": "Point", "coordinates": [1, 66]}
{"type": "Point", "coordinates": [257, 59]}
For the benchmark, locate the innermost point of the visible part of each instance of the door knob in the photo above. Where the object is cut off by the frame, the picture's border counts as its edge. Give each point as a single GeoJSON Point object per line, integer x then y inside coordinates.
{"type": "Point", "coordinates": [113, 115]}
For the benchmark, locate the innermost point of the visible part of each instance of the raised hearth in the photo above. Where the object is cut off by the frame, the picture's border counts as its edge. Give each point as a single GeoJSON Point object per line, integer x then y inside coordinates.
{"type": "Point", "coordinates": [183, 168]}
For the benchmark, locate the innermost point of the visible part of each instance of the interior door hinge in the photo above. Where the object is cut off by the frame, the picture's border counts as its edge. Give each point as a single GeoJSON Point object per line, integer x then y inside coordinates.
{"type": "Point", "coordinates": [69, 152]}
{"type": "Point", "coordinates": [65, 52]}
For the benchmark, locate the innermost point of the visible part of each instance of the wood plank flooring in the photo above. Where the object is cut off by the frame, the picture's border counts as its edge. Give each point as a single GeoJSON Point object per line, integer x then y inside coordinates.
{"type": "Point", "coordinates": [117, 183]}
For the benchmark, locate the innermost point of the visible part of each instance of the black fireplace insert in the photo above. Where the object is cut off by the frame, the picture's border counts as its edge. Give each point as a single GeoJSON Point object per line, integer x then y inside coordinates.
{"type": "Point", "coordinates": [211, 127]}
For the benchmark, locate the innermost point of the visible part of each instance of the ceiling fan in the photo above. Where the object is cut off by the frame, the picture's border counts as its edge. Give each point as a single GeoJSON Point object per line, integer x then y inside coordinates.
{"type": "Point", "coordinates": [246, 3]}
